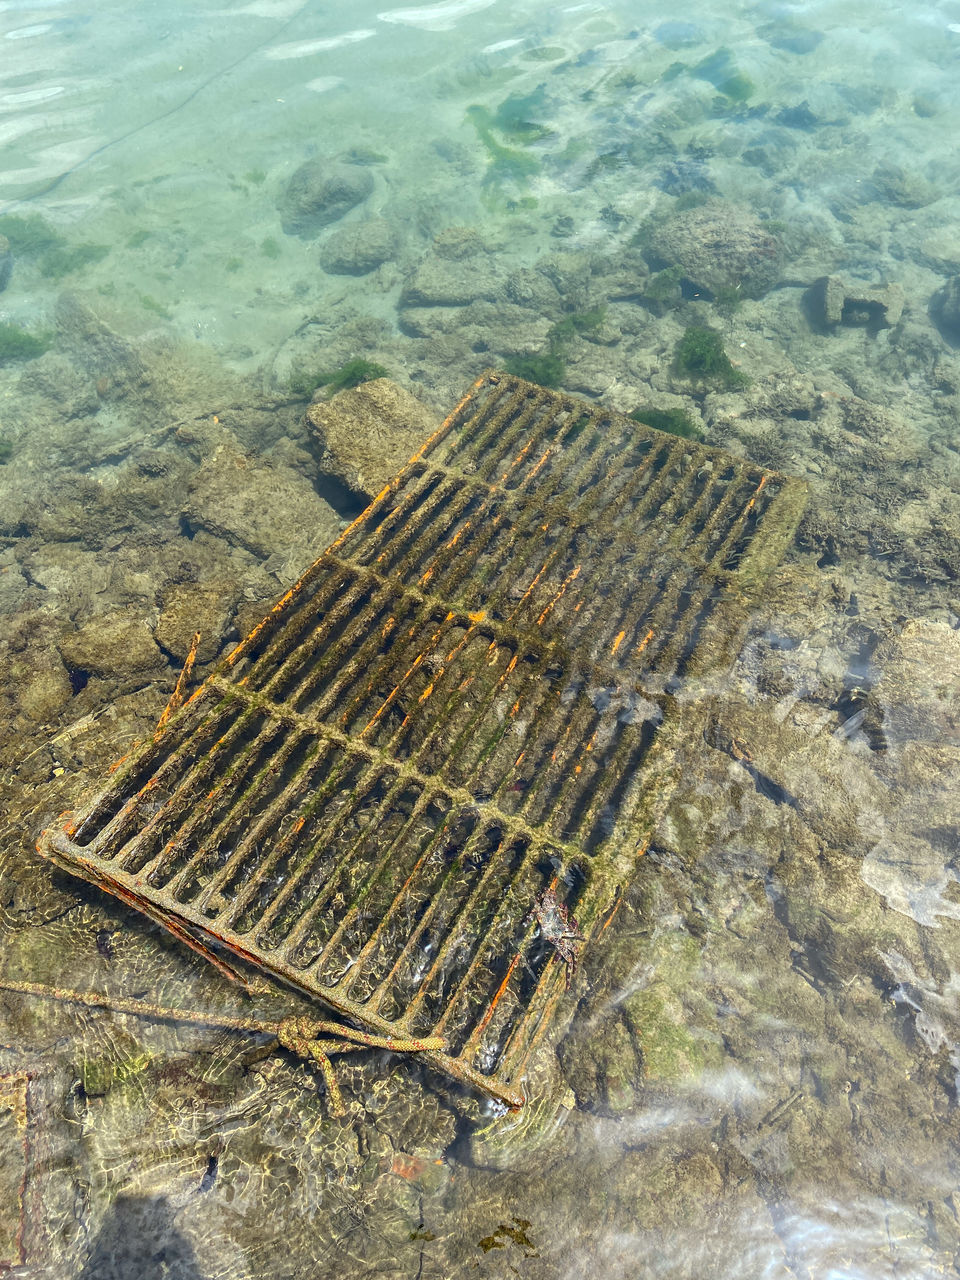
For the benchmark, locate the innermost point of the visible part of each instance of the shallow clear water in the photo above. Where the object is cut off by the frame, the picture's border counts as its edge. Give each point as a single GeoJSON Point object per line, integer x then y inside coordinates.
{"type": "Point", "coordinates": [760, 1074]}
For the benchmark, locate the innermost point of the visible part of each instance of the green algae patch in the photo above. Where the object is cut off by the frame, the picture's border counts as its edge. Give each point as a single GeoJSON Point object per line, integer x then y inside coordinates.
{"type": "Point", "coordinates": [548, 367]}
{"type": "Point", "coordinates": [574, 325]}
{"type": "Point", "coordinates": [348, 375]}
{"type": "Point", "coordinates": [700, 355]}
{"type": "Point", "coordinates": [18, 344]}
{"type": "Point", "coordinates": [29, 234]}
{"type": "Point", "coordinates": [669, 1051]}
{"type": "Point", "coordinates": [546, 370]}
{"type": "Point", "coordinates": [505, 163]}
{"type": "Point", "coordinates": [65, 259]}
{"type": "Point", "coordinates": [675, 422]}
{"type": "Point", "coordinates": [720, 70]}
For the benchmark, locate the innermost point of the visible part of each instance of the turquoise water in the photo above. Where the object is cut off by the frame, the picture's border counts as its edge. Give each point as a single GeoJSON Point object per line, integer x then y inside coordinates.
{"type": "Point", "coordinates": [760, 1076]}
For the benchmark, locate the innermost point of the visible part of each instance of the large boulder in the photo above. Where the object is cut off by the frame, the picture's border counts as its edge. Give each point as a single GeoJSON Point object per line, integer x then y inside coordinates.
{"type": "Point", "coordinates": [719, 246]}
{"type": "Point", "coordinates": [442, 282]}
{"type": "Point", "coordinates": [360, 248]}
{"type": "Point", "coordinates": [319, 193]}
{"type": "Point", "coordinates": [368, 433]}
{"type": "Point", "coordinates": [263, 510]}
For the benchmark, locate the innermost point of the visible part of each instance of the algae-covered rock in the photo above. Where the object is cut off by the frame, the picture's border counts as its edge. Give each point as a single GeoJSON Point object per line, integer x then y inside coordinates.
{"type": "Point", "coordinates": [945, 310]}
{"type": "Point", "coordinates": [440, 282]}
{"type": "Point", "coordinates": [189, 607]}
{"type": "Point", "coordinates": [358, 249]}
{"type": "Point", "coordinates": [369, 432]}
{"type": "Point", "coordinates": [457, 243]}
{"type": "Point", "coordinates": [251, 505]}
{"type": "Point", "coordinates": [320, 192]}
{"type": "Point", "coordinates": [119, 643]}
{"type": "Point", "coordinates": [719, 246]}
{"type": "Point", "coordinates": [917, 694]}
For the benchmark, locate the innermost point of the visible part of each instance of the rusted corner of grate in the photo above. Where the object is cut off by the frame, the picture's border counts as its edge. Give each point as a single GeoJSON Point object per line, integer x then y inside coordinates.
{"type": "Point", "coordinates": [453, 734]}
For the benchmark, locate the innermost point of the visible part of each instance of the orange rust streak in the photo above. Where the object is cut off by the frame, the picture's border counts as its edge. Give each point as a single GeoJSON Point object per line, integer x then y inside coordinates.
{"type": "Point", "coordinates": [609, 919]}
{"type": "Point", "coordinates": [531, 587]}
{"type": "Point", "coordinates": [391, 695]}
{"type": "Point", "coordinates": [517, 460]}
{"type": "Point", "coordinates": [457, 536]}
{"type": "Point", "coordinates": [485, 1020]}
{"type": "Point", "coordinates": [516, 762]}
{"type": "Point", "coordinates": [752, 502]}
{"type": "Point", "coordinates": [515, 708]}
{"type": "Point", "coordinates": [617, 642]}
{"type": "Point", "coordinates": [427, 576]}
{"type": "Point", "coordinates": [533, 470]}
{"type": "Point", "coordinates": [574, 573]}
{"type": "Point", "coordinates": [645, 641]}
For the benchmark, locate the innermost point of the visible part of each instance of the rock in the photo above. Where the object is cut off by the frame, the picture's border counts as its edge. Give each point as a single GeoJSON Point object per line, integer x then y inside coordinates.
{"type": "Point", "coordinates": [359, 248]}
{"type": "Point", "coordinates": [719, 246]}
{"type": "Point", "coordinates": [529, 288]}
{"type": "Point", "coordinates": [899, 186]}
{"type": "Point", "coordinates": [37, 682]}
{"type": "Point", "coordinates": [57, 379]}
{"type": "Point", "coordinates": [439, 282]}
{"type": "Point", "coordinates": [945, 310]}
{"type": "Point", "coordinates": [917, 695]}
{"type": "Point", "coordinates": [6, 263]}
{"type": "Point", "coordinates": [93, 346]}
{"type": "Point", "coordinates": [265, 511]}
{"type": "Point", "coordinates": [831, 301]}
{"type": "Point", "coordinates": [369, 432]}
{"type": "Point", "coordinates": [320, 192]}
{"type": "Point", "coordinates": [189, 607]}
{"type": "Point", "coordinates": [457, 243]}
{"type": "Point", "coordinates": [940, 250]}
{"type": "Point", "coordinates": [118, 643]}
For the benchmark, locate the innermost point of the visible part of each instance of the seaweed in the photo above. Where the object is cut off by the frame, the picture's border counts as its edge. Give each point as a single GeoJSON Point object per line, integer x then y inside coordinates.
{"type": "Point", "coordinates": [348, 375]}
{"type": "Point", "coordinates": [546, 369]}
{"type": "Point", "coordinates": [151, 304]}
{"type": "Point", "coordinates": [578, 322]}
{"type": "Point", "coordinates": [700, 354]}
{"type": "Point", "coordinates": [505, 162]}
{"type": "Point", "coordinates": [270, 247]}
{"type": "Point", "coordinates": [515, 116]}
{"type": "Point", "coordinates": [6, 450]}
{"type": "Point", "coordinates": [675, 422]}
{"type": "Point", "coordinates": [664, 287]}
{"type": "Point", "coordinates": [29, 234]}
{"type": "Point", "coordinates": [17, 344]}
{"type": "Point", "coordinates": [63, 259]}
{"type": "Point", "coordinates": [728, 298]}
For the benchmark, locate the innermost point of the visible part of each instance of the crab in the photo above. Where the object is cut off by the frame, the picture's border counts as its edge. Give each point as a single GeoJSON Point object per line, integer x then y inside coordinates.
{"type": "Point", "coordinates": [559, 928]}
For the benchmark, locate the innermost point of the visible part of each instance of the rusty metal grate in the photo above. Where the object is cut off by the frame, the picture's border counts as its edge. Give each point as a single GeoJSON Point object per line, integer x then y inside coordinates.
{"type": "Point", "coordinates": [459, 706]}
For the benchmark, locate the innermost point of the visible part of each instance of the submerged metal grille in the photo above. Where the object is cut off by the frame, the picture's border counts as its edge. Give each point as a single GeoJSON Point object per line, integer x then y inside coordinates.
{"type": "Point", "coordinates": [459, 706]}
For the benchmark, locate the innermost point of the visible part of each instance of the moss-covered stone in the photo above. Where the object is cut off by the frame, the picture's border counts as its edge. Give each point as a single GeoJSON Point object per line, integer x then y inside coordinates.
{"type": "Point", "coordinates": [700, 355]}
